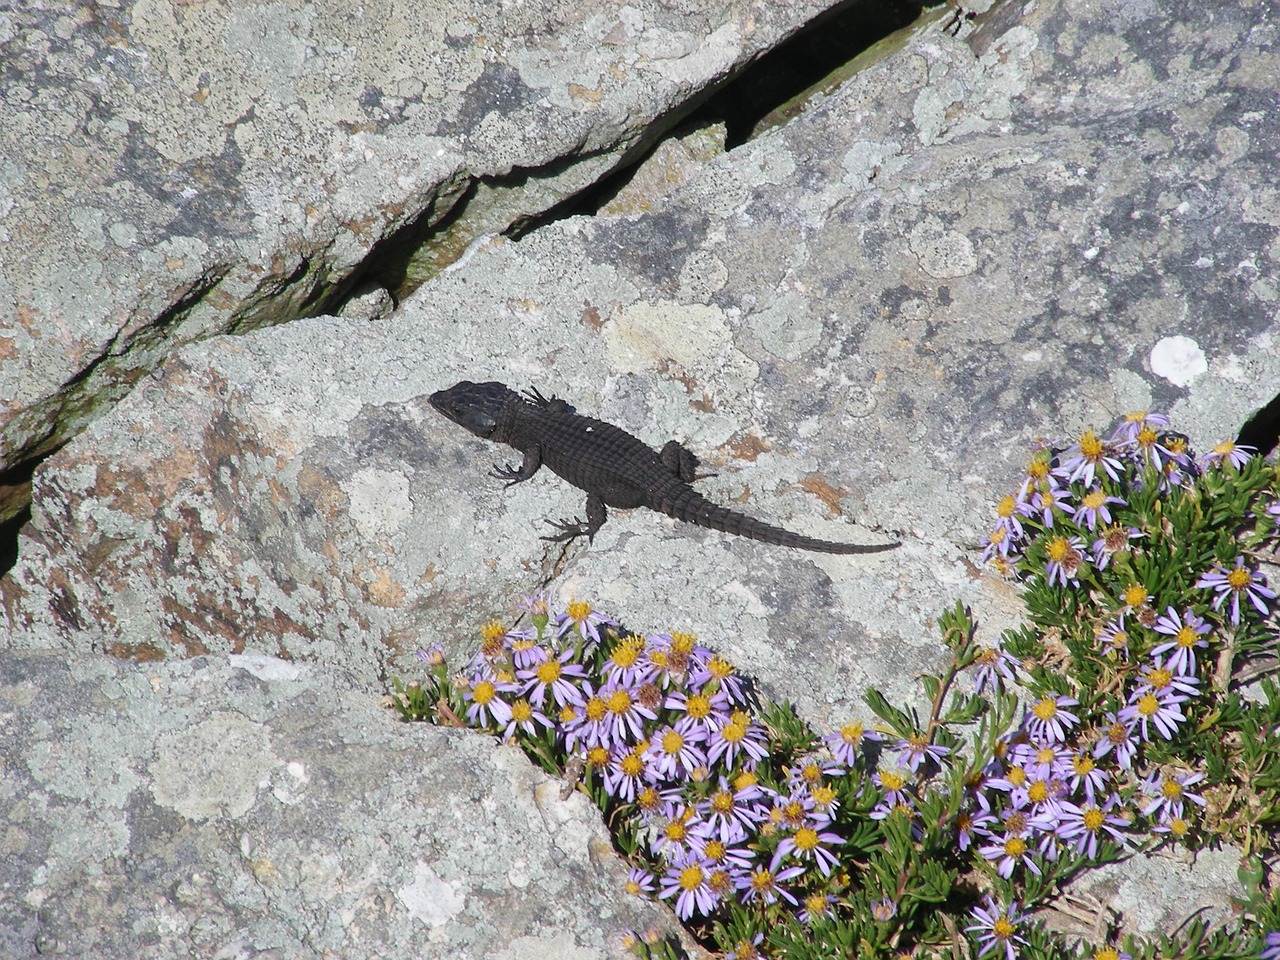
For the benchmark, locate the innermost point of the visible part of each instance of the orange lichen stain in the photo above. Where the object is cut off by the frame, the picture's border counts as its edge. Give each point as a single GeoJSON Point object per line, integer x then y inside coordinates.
{"type": "Point", "coordinates": [816, 484]}
{"type": "Point", "coordinates": [591, 316]}
{"type": "Point", "coordinates": [139, 652]}
{"type": "Point", "coordinates": [587, 95]}
{"type": "Point", "coordinates": [746, 445]}
{"type": "Point", "coordinates": [383, 589]}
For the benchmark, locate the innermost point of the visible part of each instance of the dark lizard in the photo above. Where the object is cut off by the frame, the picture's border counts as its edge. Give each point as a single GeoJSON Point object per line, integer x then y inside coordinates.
{"type": "Point", "coordinates": [613, 467]}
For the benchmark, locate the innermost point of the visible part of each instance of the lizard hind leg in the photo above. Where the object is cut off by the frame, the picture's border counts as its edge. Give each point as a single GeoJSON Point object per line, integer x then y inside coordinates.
{"type": "Point", "coordinates": [682, 461]}
{"type": "Point", "coordinates": [572, 529]}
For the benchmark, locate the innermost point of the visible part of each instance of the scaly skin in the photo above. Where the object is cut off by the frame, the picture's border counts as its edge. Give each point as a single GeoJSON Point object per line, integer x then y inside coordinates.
{"type": "Point", "coordinates": [613, 467]}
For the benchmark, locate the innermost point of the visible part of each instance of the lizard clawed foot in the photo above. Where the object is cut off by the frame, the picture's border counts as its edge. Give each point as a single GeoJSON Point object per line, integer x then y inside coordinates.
{"type": "Point", "coordinates": [569, 530]}
{"type": "Point", "coordinates": [505, 472]}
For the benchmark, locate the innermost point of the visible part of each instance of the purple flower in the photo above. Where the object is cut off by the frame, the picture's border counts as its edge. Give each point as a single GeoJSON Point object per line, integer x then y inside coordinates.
{"type": "Point", "coordinates": [1159, 710]}
{"type": "Point", "coordinates": [554, 674]}
{"type": "Point", "coordinates": [1188, 635]}
{"type": "Point", "coordinates": [915, 750]}
{"type": "Point", "coordinates": [1064, 560]}
{"type": "Point", "coordinates": [674, 749]}
{"type": "Point", "coordinates": [1271, 946]}
{"type": "Point", "coordinates": [733, 813]}
{"type": "Point", "coordinates": [1009, 851]}
{"type": "Point", "coordinates": [688, 881]}
{"type": "Point", "coordinates": [717, 675]}
{"type": "Point", "coordinates": [806, 843]}
{"type": "Point", "coordinates": [679, 831]}
{"type": "Point", "coordinates": [628, 772]}
{"type": "Point", "coordinates": [763, 884]}
{"type": "Point", "coordinates": [1115, 637]}
{"type": "Point", "coordinates": [740, 735]}
{"type": "Point", "coordinates": [1140, 429]}
{"type": "Point", "coordinates": [486, 706]}
{"type": "Point", "coordinates": [1168, 794]}
{"type": "Point", "coordinates": [997, 929]}
{"type": "Point", "coordinates": [816, 907]}
{"type": "Point", "coordinates": [1084, 826]}
{"type": "Point", "coordinates": [1093, 508]}
{"type": "Point", "coordinates": [845, 742]}
{"type": "Point", "coordinates": [1159, 679]}
{"type": "Point", "coordinates": [640, 882]}
{"type": "Point", "coordinates": [1228, 451]}
{"type": "Point", "coordinates": [1117, 735]}
{"type": "Point", "coordinates": [992, 664]}
{"type": "Point", "coordinates": [1086, 773]}
{"type": "Point", "coordinates": [1088, 456]}
{"type": "Point", "coordinates": [1049, 502]}
{"type": "Point", "coordinates": [1048, 718]}
{"type": "Point", "coordinates": [1239, 580]}
{"type": "Point", "coordinates": [1113, 539]}
{"type": "Point", "coordinates": [524, 717]}
{"type": "Point", "coordinates": [580, 618]}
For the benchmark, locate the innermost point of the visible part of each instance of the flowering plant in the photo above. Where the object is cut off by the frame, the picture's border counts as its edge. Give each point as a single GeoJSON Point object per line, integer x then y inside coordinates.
{"type": "Point", "coordinates": [1133, 724]}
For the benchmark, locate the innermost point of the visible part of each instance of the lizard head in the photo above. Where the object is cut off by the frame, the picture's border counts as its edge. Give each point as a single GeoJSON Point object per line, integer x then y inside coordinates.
{"type": "Point", "coordinates": [476, 406]}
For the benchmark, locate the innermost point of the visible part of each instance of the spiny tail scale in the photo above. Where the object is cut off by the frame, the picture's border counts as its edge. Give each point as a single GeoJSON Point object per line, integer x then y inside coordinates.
{"type": "Point", "coordinates": [681, 502]}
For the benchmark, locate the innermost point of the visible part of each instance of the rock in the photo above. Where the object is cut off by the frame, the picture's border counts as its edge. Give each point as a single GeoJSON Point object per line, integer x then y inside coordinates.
{"type": "Point", "coordinates": [253, 807]}
{"type": "Point", "coordinates": [859, 319]}
{"type": "Point", "coordinates": [174, 172]}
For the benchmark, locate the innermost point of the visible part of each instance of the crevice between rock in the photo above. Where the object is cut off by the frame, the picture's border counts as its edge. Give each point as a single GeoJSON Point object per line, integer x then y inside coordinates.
{"type": "Point", "coordinates": [458, 211]}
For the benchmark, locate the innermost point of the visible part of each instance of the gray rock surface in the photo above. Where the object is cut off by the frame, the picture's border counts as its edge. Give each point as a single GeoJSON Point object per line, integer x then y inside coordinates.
{"type": "Point", "coordinates": [859, 320]}
{"type": "Point", "coordinates": [175, 171]}
{"type": "Point", "coordinates": [250, 807]}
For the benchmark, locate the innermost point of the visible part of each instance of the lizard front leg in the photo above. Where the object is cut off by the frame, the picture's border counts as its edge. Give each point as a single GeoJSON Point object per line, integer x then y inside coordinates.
{"type": "Point", "coordinates": [532, 461]}
{"type": "Point", "coordinates": [571, 529]}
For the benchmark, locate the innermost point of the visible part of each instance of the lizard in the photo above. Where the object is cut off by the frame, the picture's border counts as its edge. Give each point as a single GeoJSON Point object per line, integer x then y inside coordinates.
{"type": "Point", "coordinates": [615, 468]}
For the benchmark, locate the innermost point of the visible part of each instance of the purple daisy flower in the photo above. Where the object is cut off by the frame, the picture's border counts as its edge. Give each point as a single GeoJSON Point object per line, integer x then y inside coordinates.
{"type": "Point", "coordinates": [1234, 582]}
{"type": "Point", "coordinates": [991, 664]}
{"type": "Point", "coordinates": [1118, 735]}
{"type": "Point", "coordinates": [1049, 718]}
{"type": "Point", "coordinates": [688, 881]}
{"type": "Point", "coordinates": [1163, 711]}
{"type": "Point", "coordinates": [1093, 508]}
{"type": "Point", "coordinates": [1084, 826]}
{"type": "Point", "coordinates": [1187, 632]}
{"type": "Point", "coordinates": [997, 929]}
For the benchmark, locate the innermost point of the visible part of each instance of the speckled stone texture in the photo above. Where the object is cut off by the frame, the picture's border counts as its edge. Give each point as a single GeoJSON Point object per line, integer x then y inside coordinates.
{"type": "Point", "coordinates": [254, 808]}
{"type": "Point", "coordinates": [859, 320]}
{"type": "Point", "coordinates": [173, 170]}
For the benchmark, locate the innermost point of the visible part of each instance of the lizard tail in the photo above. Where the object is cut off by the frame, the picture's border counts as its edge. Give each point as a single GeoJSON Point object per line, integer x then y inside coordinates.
{"type": "Point", "coordinates": [686, 504]}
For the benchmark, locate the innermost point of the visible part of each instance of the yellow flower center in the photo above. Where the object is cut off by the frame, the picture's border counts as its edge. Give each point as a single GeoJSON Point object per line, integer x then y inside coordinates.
{"type": "Point", "coordinates": [1092, 819]}
{"type": "Point", "coordinates": [1239, 578]}
{"type": "Point", "coordinates": [698, 706]}
{"type": "Point", "coordinates": [1090, 446]}
{"type": "Point", "coordinates": [806, 839]}
{"type": "Point", "coordinates": [483, 692]}
{"type": "Point", "coordinates": [1186, 637]}
{"type": "Point", "coordinates": [1038, 792]}
{"type": "Point", "coordinates": [596, 709]}
{"type": "Point", "coordinates": [851, 733]}
{"type": "Point", "coordinates": [1172, 790]}
{"type": "Point", "coordinates": [672, 742]}
{"type": "Point", "coordinates": [691, 877]}
{"type": "Point", "coordinates": [1045, 709]}
{"type": "Point", "coordinates": [1003, 929]}
{"type": "Point", "coordinates": [892, 780]}
{"type": "Point", "coordinates": [1160, 678]}
{"type": "Point", "coordinates": [1148, 705]}
{"type": "Point", "coordinates": [1006, 507]}
{"type": "Point", "coordinates": [1083, 764]}
{"type": "Point", "coordinates": [521, 711]}
{"type": "Point", "coordinates": [548, 671]}
{"type": "Point", "coordinates": [1094, 500]}
{"type": "Point", "coordinates": [619, 701]}
{"type": "Point", "coordinates": [1059, 548]}
{"type": "Point", "coordinates": [598, 756]}
{"type": "Point", "coordinates": [578, 610]}
{"type": "Point", "coordinates": [1015, 847]}
{"type": "Point", "coordinates": [1136, 595]}
{"type": "Point", "coordinates": [632, 765]}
